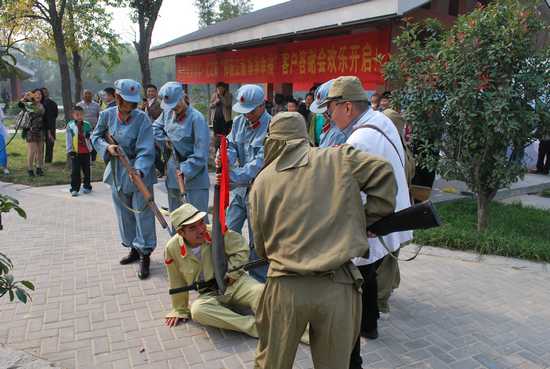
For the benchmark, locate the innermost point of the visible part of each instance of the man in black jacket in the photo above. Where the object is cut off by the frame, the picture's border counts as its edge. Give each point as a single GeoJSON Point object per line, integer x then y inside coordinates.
{"type": "Point", "coordinates": [50, 116]}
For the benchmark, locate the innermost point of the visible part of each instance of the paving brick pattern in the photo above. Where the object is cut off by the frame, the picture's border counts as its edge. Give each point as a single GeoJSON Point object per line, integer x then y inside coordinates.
{"type": "Point", "coordinates": [90, 312]}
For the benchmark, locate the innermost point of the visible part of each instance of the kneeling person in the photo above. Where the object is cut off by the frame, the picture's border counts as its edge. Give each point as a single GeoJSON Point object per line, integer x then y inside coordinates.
{"type": "Point", "coordinates": [188, 259]}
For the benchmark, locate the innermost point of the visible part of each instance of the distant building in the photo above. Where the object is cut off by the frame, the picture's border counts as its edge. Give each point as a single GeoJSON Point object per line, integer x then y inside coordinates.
{"type": "Point", "coordinates": [10, 85]}
{"type": "Point", "coordinates": [296, 44]}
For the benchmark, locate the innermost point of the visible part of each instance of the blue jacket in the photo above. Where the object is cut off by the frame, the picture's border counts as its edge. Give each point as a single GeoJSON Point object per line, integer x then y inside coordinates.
{"type": "Point", "coordinates": [191, 140]}
{"type": "Point", "coordinates": [135, 137]}
{"type": "Point", "coordinates": [245, 150]}
{"type": "Point", "coordinates": [332, 137]}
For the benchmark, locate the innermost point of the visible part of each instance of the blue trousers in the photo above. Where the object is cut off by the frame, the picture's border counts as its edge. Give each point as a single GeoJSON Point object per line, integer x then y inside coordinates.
{"type": "Point", "coordinates": [136, 230]}
{"type": "Point", "coordinates": [197, 198]}
{"type": "Point", "coordinates": [237, 213]}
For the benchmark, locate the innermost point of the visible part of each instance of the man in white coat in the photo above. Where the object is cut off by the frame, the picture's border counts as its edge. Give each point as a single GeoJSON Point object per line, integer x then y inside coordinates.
{"type": "Point", "coordinates": [372, 132]}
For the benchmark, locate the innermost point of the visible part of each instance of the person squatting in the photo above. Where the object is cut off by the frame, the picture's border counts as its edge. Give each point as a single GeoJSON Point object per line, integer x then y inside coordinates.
{"type": "Point", "coordinates": [307, 209]}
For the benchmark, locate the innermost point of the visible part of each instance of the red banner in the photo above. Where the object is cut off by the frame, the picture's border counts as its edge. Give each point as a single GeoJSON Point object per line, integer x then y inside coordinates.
{"type": "Point", "coordinates": [300, 63]}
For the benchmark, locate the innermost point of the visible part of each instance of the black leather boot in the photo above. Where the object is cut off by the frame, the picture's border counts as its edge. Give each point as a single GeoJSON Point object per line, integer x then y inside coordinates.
{"type": "Point", "coordinates": [144, 262]}
{"type": "Point", "coordinates": [132, 256]}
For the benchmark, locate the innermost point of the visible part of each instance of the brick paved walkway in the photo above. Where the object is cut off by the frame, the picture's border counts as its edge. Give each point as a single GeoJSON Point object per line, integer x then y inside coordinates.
{"type": "Point", "coordinates": [452, 311]}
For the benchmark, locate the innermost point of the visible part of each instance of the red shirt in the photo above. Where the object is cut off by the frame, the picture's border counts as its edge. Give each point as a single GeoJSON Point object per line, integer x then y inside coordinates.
{"type": "Point", "coordinates": [82, 147]}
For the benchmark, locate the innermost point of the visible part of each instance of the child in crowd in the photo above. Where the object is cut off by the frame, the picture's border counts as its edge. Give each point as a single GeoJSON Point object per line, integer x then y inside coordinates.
{"type": "Point", "coordinates": [3, 142]}
{"type": "Point", "coordinates": [79, 148]}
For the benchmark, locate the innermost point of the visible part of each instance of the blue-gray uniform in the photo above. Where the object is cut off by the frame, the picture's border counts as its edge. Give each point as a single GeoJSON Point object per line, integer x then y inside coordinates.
{"type": "Point", "coordinates": [332, 137]}
{"type": "Point", "coordinates": [245, 151]}
{"type": "Point", "coordinates": [135, 137]}
{"type": "Point", "coordinates": [190, 138]}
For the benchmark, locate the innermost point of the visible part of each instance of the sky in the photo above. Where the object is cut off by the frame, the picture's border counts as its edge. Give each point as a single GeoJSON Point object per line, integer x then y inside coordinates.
{"type": "Point", "coordinates": [176, 18]}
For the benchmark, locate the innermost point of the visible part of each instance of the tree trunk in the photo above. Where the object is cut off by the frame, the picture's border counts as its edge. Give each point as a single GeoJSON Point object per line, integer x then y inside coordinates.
{"type": "Point", "coordinates": [63, 67]}
{"type": "Point", "coordinates": [483, 200]}
{"type": "Point", "coordinates": [482, 212]}
{"type": "Point", "coordinates": [143, 56]}
{"type": "Point", "coordinates": [77, 71]}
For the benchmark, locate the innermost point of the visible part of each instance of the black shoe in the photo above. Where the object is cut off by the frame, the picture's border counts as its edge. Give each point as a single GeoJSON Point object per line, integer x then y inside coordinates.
{"type": "Point", "coordinates": [31, 173]}
{"type": "Point", "coordinates": [144, 262]}
{"type": "Point", "coordinates": [370, 335]}
{"type": "Point", "coordinates": [132, 256]}
{"type": "Point", "coordinates": [39, 172]}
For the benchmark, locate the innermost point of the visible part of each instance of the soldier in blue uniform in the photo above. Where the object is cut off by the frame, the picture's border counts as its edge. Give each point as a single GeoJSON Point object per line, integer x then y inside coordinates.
{"type": "Point", "coordinates": [330, 134]}
{"type": "Point", "coordinates": [187, 132]}
{"type": "Point", "coordinates": [131, 129]}
{"type": "Point", "coordinates": [246, 157]}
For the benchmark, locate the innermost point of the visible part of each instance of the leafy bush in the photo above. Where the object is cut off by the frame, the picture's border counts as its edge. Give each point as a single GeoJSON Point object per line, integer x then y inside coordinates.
{"type": "Point", "coordinates": [474, 93]}
{"type": "Point", "coordinates": [8, 285]}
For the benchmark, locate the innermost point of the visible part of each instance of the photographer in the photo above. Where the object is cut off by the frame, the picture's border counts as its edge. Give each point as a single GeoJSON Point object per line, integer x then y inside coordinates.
{"type": "Point", "coordinates": [35, 132]}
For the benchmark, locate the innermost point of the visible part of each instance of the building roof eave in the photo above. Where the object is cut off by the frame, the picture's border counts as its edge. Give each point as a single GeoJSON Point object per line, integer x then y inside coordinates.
{"type": "Point", "coordinates": [333, 18]}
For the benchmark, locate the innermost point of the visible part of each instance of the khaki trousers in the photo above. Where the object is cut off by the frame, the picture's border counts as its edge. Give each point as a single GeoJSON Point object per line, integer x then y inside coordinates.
{"type": "Point", "coordinates": [35, 154]}
{"type": "Point", "coordinates": [289, 303]}
{"type": "Point", "coordinates": [212, 310]}
{"type": "Point", "coordinates": [388, 279]}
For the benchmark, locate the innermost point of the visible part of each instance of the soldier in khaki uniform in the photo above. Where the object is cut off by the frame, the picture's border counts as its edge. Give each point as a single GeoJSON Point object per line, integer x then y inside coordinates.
{"type": "Point", "coordinates": [309, 238]}
{"type": "Point", "coordinates": [188, 259]}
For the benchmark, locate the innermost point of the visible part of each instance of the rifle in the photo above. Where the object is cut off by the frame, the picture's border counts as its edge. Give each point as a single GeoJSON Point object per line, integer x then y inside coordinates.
{"type": "Point", "coordinates": [179, 175]}
{"type": "Point", "coordinates": [418, 216]}
{"type": "Point", "coordinates": [212, 283]}
{"type": "Point", "coordinates": [135, 177]}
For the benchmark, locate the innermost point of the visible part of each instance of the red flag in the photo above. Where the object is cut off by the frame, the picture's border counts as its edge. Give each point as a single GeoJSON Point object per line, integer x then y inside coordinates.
{"type": "Point", "coordinates": [224, 185]}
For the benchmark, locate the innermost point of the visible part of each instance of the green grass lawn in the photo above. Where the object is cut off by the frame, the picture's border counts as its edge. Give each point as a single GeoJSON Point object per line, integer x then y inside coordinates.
{"type": "Point", "coordinates": [54, 174]}
{"type": "Point", "coordinates": [514, 230]}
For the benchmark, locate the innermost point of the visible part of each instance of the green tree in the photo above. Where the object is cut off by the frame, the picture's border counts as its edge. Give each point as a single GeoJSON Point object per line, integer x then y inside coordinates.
{"type": "Point", "coordinates": [145, 14]}
{"type": "Point", "coordinates": [469, 93]}
{"type": "Point", "coordinates": [48, 14]}
{"type": "Point", "coordinates": [13, 33]}
{"type": "Point", "coordinates": [228, 9]}
{"type": "Point", "coordinates": [207, 12]}
{"type": "Point", "coordinates": [89, 39]}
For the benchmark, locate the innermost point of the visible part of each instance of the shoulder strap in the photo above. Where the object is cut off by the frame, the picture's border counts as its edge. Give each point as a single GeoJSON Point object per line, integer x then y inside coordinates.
{"type": "Point", "coordinates": [387, 138]}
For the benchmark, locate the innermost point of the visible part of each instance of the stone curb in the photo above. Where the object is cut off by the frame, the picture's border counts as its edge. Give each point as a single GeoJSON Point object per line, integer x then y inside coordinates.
{"type": "Point", "coordinates": [473, 257]}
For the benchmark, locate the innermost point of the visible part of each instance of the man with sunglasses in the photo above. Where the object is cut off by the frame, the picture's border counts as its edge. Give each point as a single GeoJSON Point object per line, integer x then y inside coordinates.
{"type": "Point", "coordinates": [245, 152]}
{"type": "Point", "coordinates": [370, 131]}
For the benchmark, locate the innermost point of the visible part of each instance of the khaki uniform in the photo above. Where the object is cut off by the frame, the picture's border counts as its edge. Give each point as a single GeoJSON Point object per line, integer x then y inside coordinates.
{"type": "Point", "coordinates": [309, 237]}
{"type": "Point", "coordinates": [388, 278]}
{"type": "Point", "coordinates": [209, 308]}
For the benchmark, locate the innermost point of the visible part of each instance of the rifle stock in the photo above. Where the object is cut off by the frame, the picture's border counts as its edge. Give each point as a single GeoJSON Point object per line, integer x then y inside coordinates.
{"type": "Point", "coordinates": [418, 216]}
{"type": "Point", "coordinates": [135, 177]}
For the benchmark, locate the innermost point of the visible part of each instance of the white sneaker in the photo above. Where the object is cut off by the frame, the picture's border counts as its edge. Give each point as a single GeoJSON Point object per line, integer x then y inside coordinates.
{"type": "Point", "coordinates": [74, 193]}
{"type": "Point", "coordinates": [6, 171]}
{"type": "Point", "coordinates": [384, 316]}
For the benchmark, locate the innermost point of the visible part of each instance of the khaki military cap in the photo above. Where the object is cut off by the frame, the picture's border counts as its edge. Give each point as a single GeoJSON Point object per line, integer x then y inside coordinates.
{"type": "Point", "coordinates": [346, 88]}
{"type": "Point", "coordinates": [288, 126]}
{"type": "Point", "coordinates": [185, 215]}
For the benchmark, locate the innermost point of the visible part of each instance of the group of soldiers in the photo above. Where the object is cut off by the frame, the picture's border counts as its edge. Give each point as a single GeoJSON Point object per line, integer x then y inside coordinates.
{"type": "Point", "coordinates": [307, 208]}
